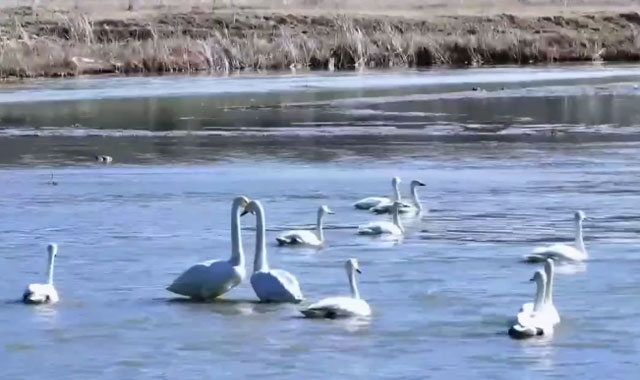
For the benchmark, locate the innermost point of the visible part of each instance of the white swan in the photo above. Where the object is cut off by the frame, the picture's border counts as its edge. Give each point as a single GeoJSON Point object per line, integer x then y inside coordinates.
{"type": "Point", "coordinates": [413, 208]}
{"type": "Point", "coordinates": [213, 278]}
{"type": "Point", "coordinates": [369, 202]}
{"type": "Point", "coordinates": [43, 293]}
{"type": "Point", "coordinates": [340, 307]}
{"type": "Point", "coordinates": [384, 227]}
{"type": "Point", "coordinates": [566, 252]}
{"type": "Point", "coordinates": [535, 322]}
{"type": "Point", "coordinates": [270, 285]}
{"type": "Point", "coordinates": [548, 305]}
{"type": "Point", "coordinates": [306, 237]}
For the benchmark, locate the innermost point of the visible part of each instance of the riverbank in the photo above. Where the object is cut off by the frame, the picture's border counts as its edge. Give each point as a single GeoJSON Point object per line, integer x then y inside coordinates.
{"type": "Point", "coordinates": [54, 44]}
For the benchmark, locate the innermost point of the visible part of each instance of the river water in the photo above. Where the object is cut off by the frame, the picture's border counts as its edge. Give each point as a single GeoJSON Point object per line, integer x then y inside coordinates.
{"type": "Point", "coordinates": [505, 166]}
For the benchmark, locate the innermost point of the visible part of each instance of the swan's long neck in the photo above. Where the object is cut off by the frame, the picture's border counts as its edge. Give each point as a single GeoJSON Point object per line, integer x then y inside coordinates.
{"type": "Point", "coordinates": [260, 258]}
{"type": "Point", "coordinates": [52, 258]}
{"type": "Point", "coordinates": [319, 225]}
{"type": "Point", "coordinates": [540, 292]}
{"type": "Point", "coordinates": [352, 283]}
{"type": "Point", "coordinates": [548, 295]}
{"type": "Point", "coordinates": [396, 192]}
{"type": "Point", "coordinates": [414, 197]}
{"type": "Point", "coordinates": [237, 255]}
{"type": "Point", "coordinates": [579, 241]}
{"type": "Point", "coordinates": [396, 218]}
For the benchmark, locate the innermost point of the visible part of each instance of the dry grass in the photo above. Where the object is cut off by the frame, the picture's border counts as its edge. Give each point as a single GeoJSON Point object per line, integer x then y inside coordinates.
{"type": "Point", "coordinates": [74, 44]}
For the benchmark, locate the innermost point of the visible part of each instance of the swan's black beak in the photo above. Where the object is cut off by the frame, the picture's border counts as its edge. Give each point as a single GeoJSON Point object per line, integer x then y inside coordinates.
{"type": "Point", "coordinates": [330, 212]}
{"type": "Point", "coordinates": [358, 270]}
{"type": "Point", "coordinates": [421, 184]}
{"type": "Point", "coordinates": [245, 212]}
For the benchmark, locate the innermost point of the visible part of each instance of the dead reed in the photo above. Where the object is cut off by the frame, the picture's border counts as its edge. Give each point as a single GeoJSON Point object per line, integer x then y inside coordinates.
{"type": "Point", "coordinates": [77, 45]}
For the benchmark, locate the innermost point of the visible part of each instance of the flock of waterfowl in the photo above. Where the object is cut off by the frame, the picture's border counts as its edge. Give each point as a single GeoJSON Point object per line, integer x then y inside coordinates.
{"type": "Point", "coordinates": [211, 279]}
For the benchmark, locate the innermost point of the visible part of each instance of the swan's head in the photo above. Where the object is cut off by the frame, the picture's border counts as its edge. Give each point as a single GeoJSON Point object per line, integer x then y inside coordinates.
{"type": "Point", "coordinates": [325, 210]}
{"type": "Point", "coordinates": [242, 202]}
{"type": "Point", "coordinates": [395, 181]}
{"type": "Point", "coordinates": [252, 207]}
{"type": "Point", "coordinates": [352, 265]}
{"type": "Point", "coordinates": [539, 277]}
{"type": "Point", "coordinates": [52, 249]}
{"type": "Point", "coordinates": [416, 183]}
{"type": "Point", "coordinates": [579, 216]}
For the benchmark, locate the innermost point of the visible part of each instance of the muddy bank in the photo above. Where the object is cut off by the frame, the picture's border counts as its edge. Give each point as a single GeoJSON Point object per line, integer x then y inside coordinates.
{"type": "Point", "coordinates": [36, 44]}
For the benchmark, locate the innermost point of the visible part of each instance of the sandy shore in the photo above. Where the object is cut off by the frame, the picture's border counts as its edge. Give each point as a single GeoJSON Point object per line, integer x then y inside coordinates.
{"type": "Point", "coordinates": [61, 43]}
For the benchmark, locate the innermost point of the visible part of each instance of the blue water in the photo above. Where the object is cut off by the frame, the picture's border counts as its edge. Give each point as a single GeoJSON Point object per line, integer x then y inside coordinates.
{"type": "Point", "coordinates": [442, 297]}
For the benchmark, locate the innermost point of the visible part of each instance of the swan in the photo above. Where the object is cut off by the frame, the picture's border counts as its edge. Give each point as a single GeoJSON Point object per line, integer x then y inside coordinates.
{"type": "Point", "coordinates": [270, 285]}
{"type": "Point", "coordinates": [213, 278]}
{"type": "Point", "coordinates": [339, 307]}
{"type": "Point", "coordinates": [537, 321]}
{"type": "Point", "coordinates": [306, 237]}
{"type": "Point", "coordinates": [52, 182]}
{"type": "Point", "coordinates": [414, 208]}
{"type": "Point", "coordinates": [554, 316]}
{"type": "Point", "coordinates": [369, 202]}
{"type": "Point", "coordinates": [384, 227]}
{"type": "Point", "coordinates": [104, 159]}
{"type": "Point", "coordinates": [566, 252]}
{"type": "Point", "coordinates": [43, 293]}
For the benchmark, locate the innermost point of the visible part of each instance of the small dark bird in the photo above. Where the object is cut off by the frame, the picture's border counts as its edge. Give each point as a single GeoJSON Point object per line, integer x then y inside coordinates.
{"type": "Point", "coordinates": [104, 159]}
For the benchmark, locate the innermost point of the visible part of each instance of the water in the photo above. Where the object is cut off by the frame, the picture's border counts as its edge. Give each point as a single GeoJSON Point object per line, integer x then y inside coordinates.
{"type": "Point", "coordinates": [442, 297]}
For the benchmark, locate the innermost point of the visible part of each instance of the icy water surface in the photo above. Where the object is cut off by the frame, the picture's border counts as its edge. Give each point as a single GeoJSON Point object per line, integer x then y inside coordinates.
{"type": "Point", "coordinates": [505, 168]}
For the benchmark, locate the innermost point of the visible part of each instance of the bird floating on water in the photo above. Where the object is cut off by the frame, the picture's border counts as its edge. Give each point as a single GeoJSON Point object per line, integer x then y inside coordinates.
{"type": "Point", "coordinates": [43, 293]}
{"type": "Point", "coordinates": [563, 252]}
{"type": "Point", "coordinates": [384, 227]}
{"type": "Point", "coordinates": [413, 208]}
{"type": "Point", "coordinates": [270, 285]}
{"type": "Point", "coordinates": [341, 307]}
{"type": "Point", "coordinates": [104, 159]}
{"type": "Point", "coordinates": [213, 278]}
{"type": "Point", "coordinates": [51, 181]}
{"type": "Point", "coordinates": [304, 237]}
{"type": "Point", "coordinates": [370, 202]}
{"type": "Point", "coordinates": [539, 319]}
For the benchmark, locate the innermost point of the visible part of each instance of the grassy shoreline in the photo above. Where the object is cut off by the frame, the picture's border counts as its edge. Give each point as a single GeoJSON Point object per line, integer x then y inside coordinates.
{"type": "Point", "coordinates": [33, 44]}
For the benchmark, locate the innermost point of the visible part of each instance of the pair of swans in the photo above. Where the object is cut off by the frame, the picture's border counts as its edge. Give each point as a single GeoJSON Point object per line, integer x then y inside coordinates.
{"type": "Point", "coordinates": [563, 252]}
{"type": "Point", "coordinates": [538, 317]}
{"type": "Point", "coordinates": [211, 279]}
{"type": "Point", "coordinates": [385, 227]}
{"type": "Point", "coordinates": [43, 293]}
{"type": "Point", "coordinates": [302, 237]}
{"type": "Point", "coordinates": [383, 205]}
{"type": "Point", "coordinates": [341, 307]}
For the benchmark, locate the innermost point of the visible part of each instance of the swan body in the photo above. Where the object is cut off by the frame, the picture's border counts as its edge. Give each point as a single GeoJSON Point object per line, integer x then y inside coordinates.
{"type": "Point", "coordinates": [384, 227]}
{"type": "Point", "coordinates": [306, 237]}
{"type": "Point", "coordinates": [563, 252]}
{"type": "Point", "coordinates": [413, 208]}
{"type": "Point", "coordinates": [210, 279]}
{"type": "Point", "coordinates": [104, 159]}
{"type": "Point", "coordinates": [43, 293]}
{"type": "Point", "coordinates": [341, 307]}
{"type": "Point", "coordinates": [370, 202]}
{"type": "Point", "coordinates": [270, 285]}
{"type": "Point", "coordinates": [537, 321]}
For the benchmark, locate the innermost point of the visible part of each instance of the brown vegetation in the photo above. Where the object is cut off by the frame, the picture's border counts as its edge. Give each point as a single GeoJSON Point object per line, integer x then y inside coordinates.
{"type": "Point", "coordinates": [63, 43]}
